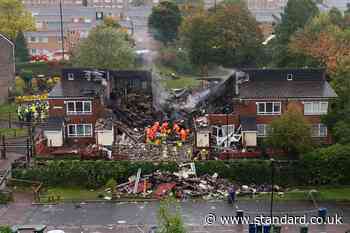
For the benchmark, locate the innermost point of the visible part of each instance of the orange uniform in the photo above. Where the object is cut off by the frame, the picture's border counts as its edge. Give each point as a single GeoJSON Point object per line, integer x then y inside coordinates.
{"type": "Point", "coordinates": [176, 128]}
{"type": "Point", "coordinates": [183, 135]}
{"type": "Point", "coordinates": [164, 128]}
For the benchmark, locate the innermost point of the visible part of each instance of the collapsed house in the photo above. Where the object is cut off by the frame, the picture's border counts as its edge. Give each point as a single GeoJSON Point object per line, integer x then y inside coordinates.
{"type": "Point", "coordinates": [240, 114]}
{"type": "Point", "coordinates": [78, 113]}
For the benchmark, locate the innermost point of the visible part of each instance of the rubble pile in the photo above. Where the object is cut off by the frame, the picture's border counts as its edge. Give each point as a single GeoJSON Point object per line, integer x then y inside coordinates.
{"type": "Point", "coordinates": [183, 186]}
{"type": "Point", "coordinates": [143, 151]}
{"type": "Point", "coordinates": [135, 110]}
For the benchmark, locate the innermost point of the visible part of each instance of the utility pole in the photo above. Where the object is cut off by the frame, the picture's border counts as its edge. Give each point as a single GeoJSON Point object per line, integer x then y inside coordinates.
{"type": "Point", "coordinates": [62, 39]}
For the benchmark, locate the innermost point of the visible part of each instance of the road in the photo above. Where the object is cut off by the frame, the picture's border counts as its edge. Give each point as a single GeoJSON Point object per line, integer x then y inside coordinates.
{"type": "Point", "coordinates": [131, 217]}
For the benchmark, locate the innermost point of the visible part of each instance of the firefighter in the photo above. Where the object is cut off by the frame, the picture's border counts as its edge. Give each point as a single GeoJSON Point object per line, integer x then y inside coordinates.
{"type": "Point", "coordinates": [183, 135]}
{"type": "Point", "coordinates": [164, 127]}
{"type": "Point", "coordinates": [176, 128]}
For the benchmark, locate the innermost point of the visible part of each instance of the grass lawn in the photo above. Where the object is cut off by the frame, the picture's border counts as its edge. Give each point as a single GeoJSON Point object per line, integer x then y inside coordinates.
{"type": "Point", "coordinates": [71, 194]}
{"type": "Point", "coordinates": [302, 194]}
{"type": "Point", "coordinates": [181, 81]}
{"type": "Point", "coordinates": [13, 132]}
{"type": "Point", "coordinates": [325, 194]}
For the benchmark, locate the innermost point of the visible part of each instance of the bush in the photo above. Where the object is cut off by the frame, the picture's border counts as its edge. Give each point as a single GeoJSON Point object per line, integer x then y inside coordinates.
{"type": "Point", "coordinates": [5, 197]}
{"type": "Point", "coordinates": [5, 229]}
{"type": "Point", "coordinates": [328, 166]}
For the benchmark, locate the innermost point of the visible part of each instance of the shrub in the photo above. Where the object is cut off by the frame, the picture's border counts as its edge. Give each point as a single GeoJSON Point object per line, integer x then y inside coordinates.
{"type": "Point", "coordinates": [324, 166]}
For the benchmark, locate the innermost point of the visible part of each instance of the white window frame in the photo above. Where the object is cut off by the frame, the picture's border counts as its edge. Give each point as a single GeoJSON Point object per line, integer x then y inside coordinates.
{"type": "Point", "coordinates": [317, 108]}
{"type": "Point", "coordinates": [319, 135]}
{"type": "Point", "coordinates": [75, 134]}
{"type": "Point", "coordinates": [75, 112]}
{"type": "Point", "coordinates": [265, 130]}
{"type": "Point", "coordinates": [273, 107]}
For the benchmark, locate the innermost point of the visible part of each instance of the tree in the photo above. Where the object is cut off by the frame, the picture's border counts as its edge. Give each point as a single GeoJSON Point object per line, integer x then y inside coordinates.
{"type": "Point", "coordinates": [164, 21]}
{"type": "Point", "coordinates": [168, 222]}
{"type": "Point", "coordinates": [338, 117]}
{"type": "Point", "coordinates": [198, 36]}
{"type": "Point", "coordinates": [296, 14]}
{"type": "Point", "coordinates": [14, 18]}
{"type": "Point", "coordinates": [238, 37]}
{"type": "Point", "coordinates": [324, 38]}
{"type": "Point", "coordinates": [290, 133]}
{"type": "Point", "coordinates": [21, 49]}
{"type": "Point", "coordinates": [104, 48]}
{"type": "Point", "coordinates": [227, 36]}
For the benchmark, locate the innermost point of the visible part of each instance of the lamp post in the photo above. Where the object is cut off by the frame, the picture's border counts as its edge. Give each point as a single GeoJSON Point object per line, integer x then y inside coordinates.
{"type": "Point", "coordinates": [272, 185]}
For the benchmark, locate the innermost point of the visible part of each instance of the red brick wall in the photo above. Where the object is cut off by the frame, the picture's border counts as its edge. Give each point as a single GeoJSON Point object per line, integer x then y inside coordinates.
{"type": "Point", "coordinates": [248, 108]}
{"type": "Point", "coordinates": [97, 110]}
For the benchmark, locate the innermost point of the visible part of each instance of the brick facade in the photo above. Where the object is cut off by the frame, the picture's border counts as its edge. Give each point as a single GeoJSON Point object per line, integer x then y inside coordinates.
{"type": "Point", "coordinates": [249, 108]}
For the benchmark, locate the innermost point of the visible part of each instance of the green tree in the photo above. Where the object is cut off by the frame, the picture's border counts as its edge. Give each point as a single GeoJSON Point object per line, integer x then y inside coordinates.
{"type": "Point", "coordinates": [21, 49]}
{"type": "Point", "coordinates": [170, 222]}
{"type": "Point", "coordinates": [198, 37]}
{"type": "Point", "coordinates": [290, 133]}
{"type": "Point", "coordinates": [237, 35]}
{"type": "Point", "coordinates": [164, 21]}
{"type": "Point", "coordinates": [227, 36]}
{"type": "Point", "coordinates": [338, 117]}
{"type": "Point", "coordinates": [14, 18]}
{"type": "Point", "coordinates": [296, 14]}
{"type": "Point", "coordinates": [104, 48]}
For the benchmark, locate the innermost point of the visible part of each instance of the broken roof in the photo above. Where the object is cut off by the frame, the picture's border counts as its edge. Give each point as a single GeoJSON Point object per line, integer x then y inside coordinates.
{"type": "Point", "coordinates": [76, 88]}
{"type": "Point", "coordinates": [286, 83]}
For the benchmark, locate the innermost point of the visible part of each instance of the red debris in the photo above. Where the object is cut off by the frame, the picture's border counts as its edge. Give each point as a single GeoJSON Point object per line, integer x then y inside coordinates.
{"type": "Point", "coordinates": [164, 189]}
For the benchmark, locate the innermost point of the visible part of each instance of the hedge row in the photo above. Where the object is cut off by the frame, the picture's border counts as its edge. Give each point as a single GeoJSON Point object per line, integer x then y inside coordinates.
{"type": "Point", "coordinates": [328, 166]}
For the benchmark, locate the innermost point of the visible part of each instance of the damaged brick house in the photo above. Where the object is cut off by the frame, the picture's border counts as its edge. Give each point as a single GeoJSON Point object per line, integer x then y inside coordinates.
{"type": "Point", "coordinates": [261, 95]}
{"type": "Point", "coordinates": [78, 113]}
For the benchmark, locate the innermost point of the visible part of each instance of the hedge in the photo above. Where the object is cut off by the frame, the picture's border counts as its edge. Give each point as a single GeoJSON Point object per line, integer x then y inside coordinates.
{"type": "Point", "coordinates": [329, 166]}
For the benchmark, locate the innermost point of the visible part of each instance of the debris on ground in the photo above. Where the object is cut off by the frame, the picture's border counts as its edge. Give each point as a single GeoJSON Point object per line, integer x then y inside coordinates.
{"type": "Point", "coordinates": [185, 184]}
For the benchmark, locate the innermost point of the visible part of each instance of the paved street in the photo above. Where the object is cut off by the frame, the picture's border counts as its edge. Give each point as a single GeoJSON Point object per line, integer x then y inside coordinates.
{"type": "Point", "coordinates": [136, 217]}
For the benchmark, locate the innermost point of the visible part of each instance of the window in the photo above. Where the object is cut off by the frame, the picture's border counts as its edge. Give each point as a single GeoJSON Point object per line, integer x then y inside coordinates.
{"type": "Point", "coordinates": [79, 130]}
{"type": "Point", "coordinates": [263, 130]}
{"type": "Point", "coordinates": [315, 108]}
{"type": "Point", "coordinates": [70, 76]}
{"type": "Point", "coordinates": [78, 107]}
{"type": "Point", "coordinates": [289, 77]}
{"type": "Point", "coordinates": [319, 130]}
{"type": "Point", "coordinates": [269, 108]}
{"type": "Point", "coordinates": [32, 39]}
{"type": "Point", "coordinates": [43, 39]}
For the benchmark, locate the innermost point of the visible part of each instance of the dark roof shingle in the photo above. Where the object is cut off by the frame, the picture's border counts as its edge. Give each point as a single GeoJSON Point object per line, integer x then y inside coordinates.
{"type": "Point", "coordinates": [273, 83]}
